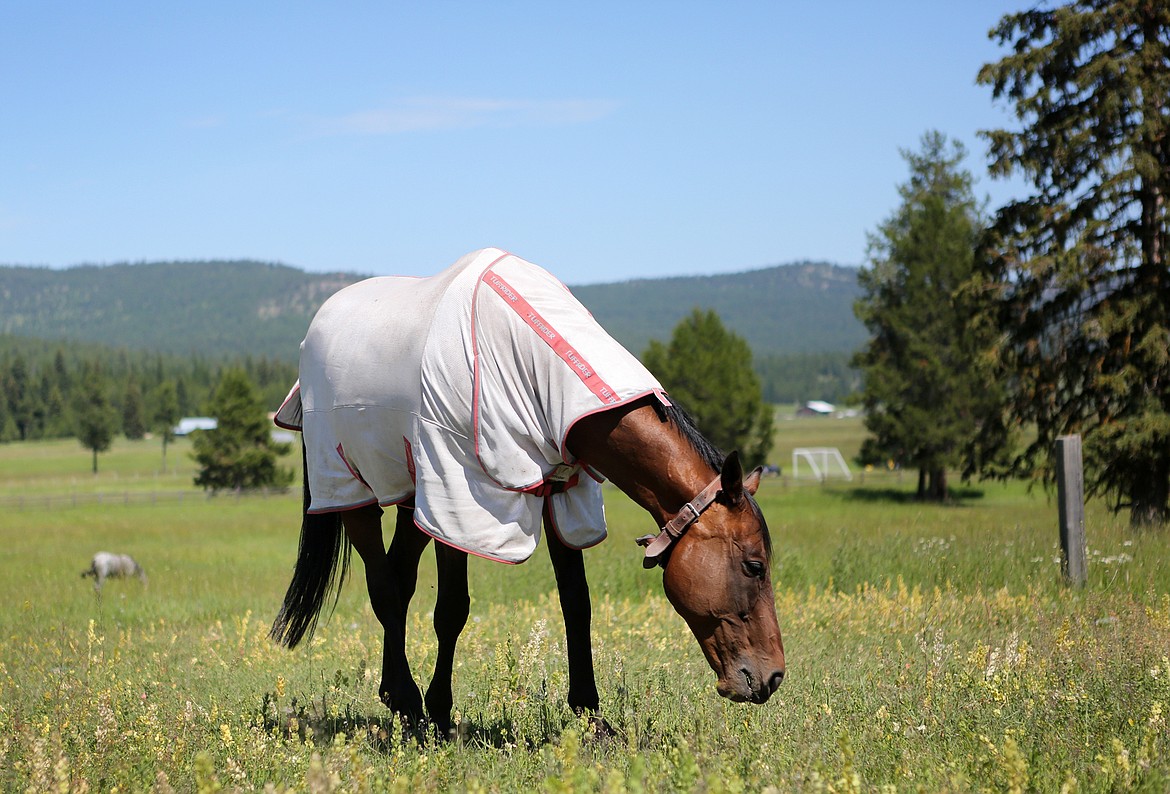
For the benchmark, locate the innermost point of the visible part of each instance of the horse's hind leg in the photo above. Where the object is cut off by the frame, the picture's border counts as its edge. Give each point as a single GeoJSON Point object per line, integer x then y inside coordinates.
{"type": "Point", "coordinates": [402, 560]}
{"type": "Point", "coordinates": [451, 609]}
{"type": "Point", "coordinates": [363, 527]}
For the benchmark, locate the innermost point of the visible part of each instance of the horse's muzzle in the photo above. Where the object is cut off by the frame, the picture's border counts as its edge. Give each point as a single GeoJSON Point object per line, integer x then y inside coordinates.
{"type": "Point", "coordinates": [747, 688]}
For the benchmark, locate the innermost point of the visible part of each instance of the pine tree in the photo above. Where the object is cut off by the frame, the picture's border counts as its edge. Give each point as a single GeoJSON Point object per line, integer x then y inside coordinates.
{"type": "Point", "coordinates": [1082, 263]}
{"type": "Point", "coordinates": [7, 425]}
{"type": "Point", "coordinates": [97, 420]}
{"type": "Point", "coordinates": [166, 415]}
{"type": "Point", "coordinates": [707, 369]}
{"type": "Point", "coordinates": [18, 391]}
{"type": "Point", "coordinates": [60, 420]}
{"type": "Point", "coordinates": [923, 392]}
{"type": "Point", "coordinates": [133, 410]}
{"type": "Point", "coordinates": [239, 453]}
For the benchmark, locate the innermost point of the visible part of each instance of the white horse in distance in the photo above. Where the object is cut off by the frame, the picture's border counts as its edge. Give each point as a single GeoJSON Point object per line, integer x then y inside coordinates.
{"type": "Point", "coordinates": [106, 565]}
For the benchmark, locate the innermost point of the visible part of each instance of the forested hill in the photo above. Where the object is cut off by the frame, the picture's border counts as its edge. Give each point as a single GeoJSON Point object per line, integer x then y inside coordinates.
{"type": "Point", "coordinates": [252, 308]}
{"type": "Point", "coordinates": [798, 308]}
{"type": "Point", "coordinates": [210, 308]}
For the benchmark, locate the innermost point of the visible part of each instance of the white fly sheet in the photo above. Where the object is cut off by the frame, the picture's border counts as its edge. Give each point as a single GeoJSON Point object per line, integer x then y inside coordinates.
{"type": "Point", "coordinates": [460, 390]}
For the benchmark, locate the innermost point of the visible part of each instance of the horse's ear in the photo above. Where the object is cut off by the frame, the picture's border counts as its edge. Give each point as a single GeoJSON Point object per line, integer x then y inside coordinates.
{"type": "Point", "coordinates": [752, 482]}
{"type": "Point", "coordinates": [731, 478]}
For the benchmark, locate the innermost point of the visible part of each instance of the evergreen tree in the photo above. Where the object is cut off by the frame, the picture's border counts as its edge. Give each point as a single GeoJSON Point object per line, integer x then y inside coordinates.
{"type": "Point", "coordinates": [18, 392]}
{"type": "Point", "coordinates": [59, 419]}
{"type": "Point", "coordinates": [923, 394]}
{"type": "Point", "coordinates": [1082, 263]}
{"type": "Point", "coordinates": [182, 393]}
{"type": "Point", "coordinates": [7, 426]}
{"type": "Point", "coordinates": [166, 415]}
{"type": "Point", "coordinates": [96, 418]}
{"type": "Point", "coordinates": [57, 386]}
{"type": "Point", "coordinates": [707, 369]}
{"type": "Point", "coordinates": [239, 453]}
{"type": "Point", "coordinates": [39, 407]}
{"type": "Point", "coordinates": [133, 410]}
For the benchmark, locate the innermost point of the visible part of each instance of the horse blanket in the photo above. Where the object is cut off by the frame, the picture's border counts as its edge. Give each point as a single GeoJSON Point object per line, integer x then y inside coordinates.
{"type": "Point", "coordinates": [460, 390]}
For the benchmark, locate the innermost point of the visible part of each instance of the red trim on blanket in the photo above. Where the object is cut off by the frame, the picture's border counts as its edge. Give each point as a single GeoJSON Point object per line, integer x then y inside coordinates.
{"type": "Point", "coordinates": [547, 487]}
{"type": "Point", "coordinates": [296, 390]}
{"type": "Point", "coordinates": [545, 330]}
{"type": "Point", "coordinates": [352, 470]}
{"type": "Point", "coordinates": [550, 518]}
{"type": "Point", "coordinates": [447, 542]}
{"type": "Point", "coordinates": [373, 500]}
{"type": "Point", "coordinates": [565, 454]}
{"type": "Point", "coordinates": [409, 460]}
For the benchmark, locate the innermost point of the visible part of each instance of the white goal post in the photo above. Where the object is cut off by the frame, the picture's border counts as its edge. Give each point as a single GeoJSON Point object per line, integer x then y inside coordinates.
{"type": "Point", "coordinates": [822, 461]}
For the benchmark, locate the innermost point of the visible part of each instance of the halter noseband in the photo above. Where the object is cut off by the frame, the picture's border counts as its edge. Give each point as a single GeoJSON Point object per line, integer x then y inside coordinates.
{"type": "Point", "coordinates": [657, 545]}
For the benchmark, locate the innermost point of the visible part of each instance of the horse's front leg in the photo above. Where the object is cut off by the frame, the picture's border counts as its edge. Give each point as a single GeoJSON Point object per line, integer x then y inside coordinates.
{"type": "Point", "coordinates": [363, 527]}
{"type": "Point", "coordinates": [573, 589]}
{"type": "Point", "coordinates": [451, 609]}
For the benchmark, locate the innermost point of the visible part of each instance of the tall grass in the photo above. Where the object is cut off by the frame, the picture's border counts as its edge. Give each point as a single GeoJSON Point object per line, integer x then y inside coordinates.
{"type": "Point", "coordinates": [930, 648]}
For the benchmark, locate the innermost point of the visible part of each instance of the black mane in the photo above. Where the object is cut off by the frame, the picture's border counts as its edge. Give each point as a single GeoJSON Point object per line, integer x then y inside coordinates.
{"type": "Point", "coordinates": [675, 414]}
{"type": "Point", "coordinates": [710, 454]}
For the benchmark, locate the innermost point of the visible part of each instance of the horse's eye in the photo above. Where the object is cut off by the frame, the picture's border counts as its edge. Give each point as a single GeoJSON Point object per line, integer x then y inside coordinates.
{"type": "Point", "coordinates": [754, 568]}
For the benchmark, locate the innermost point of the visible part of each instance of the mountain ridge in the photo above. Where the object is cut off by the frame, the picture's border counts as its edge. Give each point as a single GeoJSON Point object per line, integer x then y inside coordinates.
{"type": "Point", "coordinates": [247, 307]}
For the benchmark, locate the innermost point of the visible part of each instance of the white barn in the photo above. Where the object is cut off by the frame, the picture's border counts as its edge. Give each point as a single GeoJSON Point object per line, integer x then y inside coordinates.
{"type": "Point", "coordinates": [189, 424]}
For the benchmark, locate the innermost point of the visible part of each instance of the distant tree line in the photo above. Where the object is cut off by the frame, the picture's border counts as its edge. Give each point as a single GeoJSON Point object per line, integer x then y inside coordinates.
{"type": "Point", "coordinates": [798, 377]}
{"type": "Point", "coordinates": [58, 390]}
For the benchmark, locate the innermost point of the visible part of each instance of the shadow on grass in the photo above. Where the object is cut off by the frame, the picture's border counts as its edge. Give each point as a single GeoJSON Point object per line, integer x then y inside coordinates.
{"type": "Point", "coordinates": [956, 497]}
{"type": "Point", "coordinates": [303, 721]}
{"type": "Point", "coordinates": [383, 732]}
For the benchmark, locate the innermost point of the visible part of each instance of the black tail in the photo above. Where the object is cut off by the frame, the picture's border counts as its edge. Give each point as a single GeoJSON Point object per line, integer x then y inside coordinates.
{"type": "Point", "coordinates": [323, 546]}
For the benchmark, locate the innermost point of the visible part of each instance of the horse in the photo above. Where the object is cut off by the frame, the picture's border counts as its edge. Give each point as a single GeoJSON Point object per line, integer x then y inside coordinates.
{"type": "Point", "coordinates": [106, 565]}
{"type": "Point", "coordinates": [486, 397]}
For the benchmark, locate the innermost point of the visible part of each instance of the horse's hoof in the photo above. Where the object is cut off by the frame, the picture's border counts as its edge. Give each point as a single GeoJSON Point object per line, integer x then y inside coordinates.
{"type": "Point", "coordinates": [598, 727]}
{"type": "Point", "coordinates": [443, 730]}
{"type": "Point", "coordinates": [408, 709]}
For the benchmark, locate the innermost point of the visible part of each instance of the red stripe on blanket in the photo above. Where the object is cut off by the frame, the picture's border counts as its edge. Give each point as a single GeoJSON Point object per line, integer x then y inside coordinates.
{"type": "Point", "coordinates": [410, 460]}
{"type": "Point", "coordinates": [352, 470]}
{"type": "Point", "coordinates": [544, 329]}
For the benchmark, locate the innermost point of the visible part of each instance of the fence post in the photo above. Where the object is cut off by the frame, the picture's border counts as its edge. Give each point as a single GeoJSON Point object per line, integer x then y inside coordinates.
{"type": "Point", "coordinates": [1070, 493]}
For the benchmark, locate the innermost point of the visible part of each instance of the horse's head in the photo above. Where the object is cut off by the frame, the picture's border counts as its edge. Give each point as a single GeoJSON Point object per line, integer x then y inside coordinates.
{"type": "Point", "coordinates": [717, 574]}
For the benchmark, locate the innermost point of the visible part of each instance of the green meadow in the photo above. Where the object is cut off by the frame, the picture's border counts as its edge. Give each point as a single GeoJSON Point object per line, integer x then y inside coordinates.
{"type": "Point", "coordinates": [930, 648]}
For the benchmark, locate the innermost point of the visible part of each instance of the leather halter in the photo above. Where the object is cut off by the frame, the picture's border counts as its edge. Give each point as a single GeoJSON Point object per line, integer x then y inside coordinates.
{"type": "Point", "coordinates": [657, 545]}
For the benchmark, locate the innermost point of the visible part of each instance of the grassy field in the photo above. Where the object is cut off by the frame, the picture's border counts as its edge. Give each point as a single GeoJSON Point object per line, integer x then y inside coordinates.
{"type": "Point", "coordinates": [930, 648]}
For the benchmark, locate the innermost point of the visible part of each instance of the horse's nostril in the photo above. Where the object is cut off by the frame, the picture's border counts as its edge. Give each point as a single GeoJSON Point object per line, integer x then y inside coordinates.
{"type": "Point", "coordinates": [775, 680]}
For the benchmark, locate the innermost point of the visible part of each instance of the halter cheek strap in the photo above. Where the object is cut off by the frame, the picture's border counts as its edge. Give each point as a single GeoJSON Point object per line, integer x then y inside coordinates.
{"type": "Point", "coordinates": [657, 545]}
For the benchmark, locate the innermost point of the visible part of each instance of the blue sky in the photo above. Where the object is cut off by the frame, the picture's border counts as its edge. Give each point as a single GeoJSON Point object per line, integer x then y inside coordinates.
{"type": "Point", "coordinates": [602, 140]}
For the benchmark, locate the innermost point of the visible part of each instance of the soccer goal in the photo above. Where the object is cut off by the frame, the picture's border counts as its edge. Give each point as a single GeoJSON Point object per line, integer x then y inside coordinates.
{"type": "Point", "coordinates": [823, 461]}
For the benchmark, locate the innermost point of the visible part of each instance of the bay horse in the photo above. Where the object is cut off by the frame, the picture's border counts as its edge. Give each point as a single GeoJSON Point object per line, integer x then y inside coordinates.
{"type": "Point", "coordinates": [379, 432]}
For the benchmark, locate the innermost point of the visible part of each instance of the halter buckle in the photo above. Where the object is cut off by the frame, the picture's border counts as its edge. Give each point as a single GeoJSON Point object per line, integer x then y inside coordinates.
{"type": "Point", "coordinates": [657, 545]}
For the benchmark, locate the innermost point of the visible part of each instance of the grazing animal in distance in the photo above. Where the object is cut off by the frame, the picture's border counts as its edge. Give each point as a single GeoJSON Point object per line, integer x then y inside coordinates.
{"type": "Point", "coordinates": [106, 565]}
{"type": "Point", "coordinates": [481, 403]}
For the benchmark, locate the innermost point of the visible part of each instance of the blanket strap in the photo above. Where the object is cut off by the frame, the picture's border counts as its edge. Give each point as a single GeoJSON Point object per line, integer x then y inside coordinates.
{"type": "Point", "coordinates": [658, 545]}
{"type": "Point", "coordinates": [561, 479]}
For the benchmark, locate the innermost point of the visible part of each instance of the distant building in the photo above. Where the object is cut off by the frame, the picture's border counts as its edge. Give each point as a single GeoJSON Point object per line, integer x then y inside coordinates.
{"type": "Point", "coordinates": [816, 408]}
{"type": "Point", "coordinates": [189, 424]}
